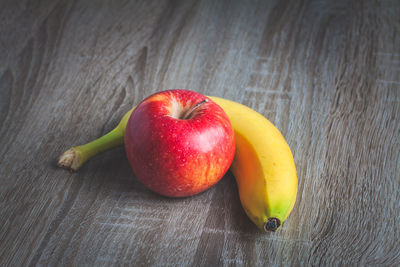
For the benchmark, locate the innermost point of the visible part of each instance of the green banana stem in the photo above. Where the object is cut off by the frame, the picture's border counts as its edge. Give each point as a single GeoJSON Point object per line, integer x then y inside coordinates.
{"type": "Point", "coordinates": [76, 156]}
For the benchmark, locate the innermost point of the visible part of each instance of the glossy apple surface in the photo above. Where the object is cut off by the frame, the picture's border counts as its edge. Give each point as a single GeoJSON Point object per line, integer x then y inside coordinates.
{"type": "Point", "coordinates": [179, 143]}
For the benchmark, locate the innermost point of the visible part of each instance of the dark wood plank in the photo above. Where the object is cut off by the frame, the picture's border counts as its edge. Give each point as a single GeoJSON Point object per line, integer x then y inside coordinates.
{"type": "Point", "coordinates": [326, 73]}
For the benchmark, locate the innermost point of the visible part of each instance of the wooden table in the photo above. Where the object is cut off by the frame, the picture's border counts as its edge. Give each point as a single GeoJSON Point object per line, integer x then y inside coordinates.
{"type": "Point", "coordinates": [326, 73]}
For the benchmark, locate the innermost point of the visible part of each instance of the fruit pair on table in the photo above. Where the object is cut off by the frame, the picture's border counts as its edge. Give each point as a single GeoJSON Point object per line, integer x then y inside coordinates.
{"type": "Point", "coordinates": [180, 143]}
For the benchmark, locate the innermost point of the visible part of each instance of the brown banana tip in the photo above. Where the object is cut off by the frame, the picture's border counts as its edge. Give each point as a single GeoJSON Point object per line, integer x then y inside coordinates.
{"type": "Point", "coordinates": [272, 224]}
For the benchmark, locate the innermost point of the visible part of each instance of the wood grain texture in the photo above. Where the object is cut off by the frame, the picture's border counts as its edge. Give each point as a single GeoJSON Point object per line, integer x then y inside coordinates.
{"type": "Point", "coordinates": [326, 73]}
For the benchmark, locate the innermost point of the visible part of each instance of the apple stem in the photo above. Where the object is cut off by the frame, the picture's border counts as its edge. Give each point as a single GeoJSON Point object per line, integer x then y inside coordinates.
{"type": "Point", "coordinates": [188, 114]}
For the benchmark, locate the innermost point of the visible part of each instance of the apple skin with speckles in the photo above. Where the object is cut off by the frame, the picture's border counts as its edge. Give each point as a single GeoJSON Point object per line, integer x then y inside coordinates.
{"type": "Point", "coordinates": [179, 142]}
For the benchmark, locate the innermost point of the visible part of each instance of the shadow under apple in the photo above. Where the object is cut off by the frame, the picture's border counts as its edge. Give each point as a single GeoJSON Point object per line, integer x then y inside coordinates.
{"type": "Point", "coordinates": [221, 204]}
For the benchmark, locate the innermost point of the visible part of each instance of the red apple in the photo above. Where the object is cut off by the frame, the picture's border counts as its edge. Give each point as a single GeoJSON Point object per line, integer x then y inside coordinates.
{"type": "Point", "coordinates": [179, 143]}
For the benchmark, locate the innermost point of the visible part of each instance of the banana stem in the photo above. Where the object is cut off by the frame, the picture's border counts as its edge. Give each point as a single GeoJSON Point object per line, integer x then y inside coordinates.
{"type": "Point", "coordinates": [76, 156]}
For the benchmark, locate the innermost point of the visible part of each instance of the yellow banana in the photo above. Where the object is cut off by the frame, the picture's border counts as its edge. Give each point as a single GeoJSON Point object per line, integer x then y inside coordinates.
{"type": "Point", "coordinates": [263, 165]}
